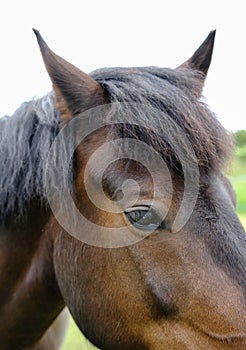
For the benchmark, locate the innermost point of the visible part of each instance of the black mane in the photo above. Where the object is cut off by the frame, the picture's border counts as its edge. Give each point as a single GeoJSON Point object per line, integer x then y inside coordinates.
{"type": "Point", "coordinates": [26, 137]}
{"type": "Point", "coordinates": [25, 140]}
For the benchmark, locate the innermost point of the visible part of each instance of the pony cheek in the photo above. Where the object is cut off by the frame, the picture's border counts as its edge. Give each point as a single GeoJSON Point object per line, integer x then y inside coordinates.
{"type": "Point", "coordinates": [99, 279]}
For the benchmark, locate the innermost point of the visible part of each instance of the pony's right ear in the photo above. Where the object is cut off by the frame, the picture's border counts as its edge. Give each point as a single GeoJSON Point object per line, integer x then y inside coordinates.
{"type": "Point", "coordinates": [202, 57]}
{"type": "Point", "coordinates": [75, 90]}
{"type": "Point", "coordinates": [200, 62]}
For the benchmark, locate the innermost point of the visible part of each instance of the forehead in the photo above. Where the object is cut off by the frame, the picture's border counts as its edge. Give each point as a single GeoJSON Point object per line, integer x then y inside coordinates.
{"type": "Point", "coordinates": [130, 163]}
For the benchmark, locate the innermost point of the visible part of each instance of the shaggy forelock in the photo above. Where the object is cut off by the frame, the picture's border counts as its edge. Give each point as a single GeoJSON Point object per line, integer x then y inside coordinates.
{"type": "Point", "coordinates": [169, 95]}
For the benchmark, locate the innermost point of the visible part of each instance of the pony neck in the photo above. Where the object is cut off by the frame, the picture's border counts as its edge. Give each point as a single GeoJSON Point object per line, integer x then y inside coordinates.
{"type": "Point", "coordinates": [31, 299]}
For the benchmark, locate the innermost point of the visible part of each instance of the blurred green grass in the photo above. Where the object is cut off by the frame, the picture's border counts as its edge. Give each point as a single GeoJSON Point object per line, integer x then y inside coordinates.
{"type": "Point", "coordinates": [237, 175]}
{"type": "Point", "coordinates": [242, 217]}
{"type": "Point", "coordinates": [74, 340]}
{"type": "Point", "coordinates": [240, 188]}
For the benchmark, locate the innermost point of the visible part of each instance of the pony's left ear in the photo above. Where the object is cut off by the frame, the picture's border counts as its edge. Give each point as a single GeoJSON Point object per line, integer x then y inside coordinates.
{"type": "Point", "coordinates": [201, 59]}
{"type": "Point", "coordinates": [75, 90]}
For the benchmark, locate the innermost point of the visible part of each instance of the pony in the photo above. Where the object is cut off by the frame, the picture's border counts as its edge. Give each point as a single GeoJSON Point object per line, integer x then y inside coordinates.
{"type": "Point", "coordinates": [114, 203]}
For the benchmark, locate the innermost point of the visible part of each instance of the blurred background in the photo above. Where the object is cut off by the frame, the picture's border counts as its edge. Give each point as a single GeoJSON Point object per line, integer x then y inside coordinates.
{"type": "Point", "coordinates": [93, 34]}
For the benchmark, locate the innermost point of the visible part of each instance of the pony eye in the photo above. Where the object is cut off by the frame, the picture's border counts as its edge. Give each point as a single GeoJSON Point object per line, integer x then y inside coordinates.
{"type": "Point", "coordinates": [145, 218]}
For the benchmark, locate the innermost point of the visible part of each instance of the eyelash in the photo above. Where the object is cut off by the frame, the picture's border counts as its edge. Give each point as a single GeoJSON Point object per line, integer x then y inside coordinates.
{"type": "Point", "coordinates": [145, 218]}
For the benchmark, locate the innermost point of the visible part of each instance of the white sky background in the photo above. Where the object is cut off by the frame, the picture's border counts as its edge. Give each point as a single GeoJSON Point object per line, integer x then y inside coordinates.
{"type": "Point", "coordinates": [93, 34]}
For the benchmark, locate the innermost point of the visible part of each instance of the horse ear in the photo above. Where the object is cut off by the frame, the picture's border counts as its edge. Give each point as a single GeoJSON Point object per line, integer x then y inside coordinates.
{"type": "Point", "coordinates": [201, 59]}
{"type": "Point", "coordinates": [75, 90]}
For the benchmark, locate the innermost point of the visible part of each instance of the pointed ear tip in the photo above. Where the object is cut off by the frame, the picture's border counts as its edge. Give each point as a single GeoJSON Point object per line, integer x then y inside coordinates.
{"type": "Point", "coordinates": [36, 32]}
{"type": "Point", "coordinates": [211, 35]}
{"type": "Point", "coordinates": [41, 42]}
